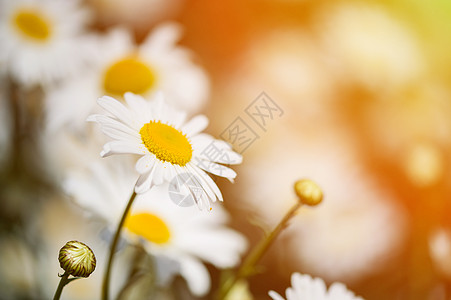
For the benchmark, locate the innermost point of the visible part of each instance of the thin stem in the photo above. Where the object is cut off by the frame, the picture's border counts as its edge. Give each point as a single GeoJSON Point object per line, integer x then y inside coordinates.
{"type": "Point", "coordinates": [248, 266]}
{"type": "Point", "coordinates": [106, 278]}
{"type": "Point", "coordinates": [64, 280]}
{"type": "Point", "coordinates": [15, 110]}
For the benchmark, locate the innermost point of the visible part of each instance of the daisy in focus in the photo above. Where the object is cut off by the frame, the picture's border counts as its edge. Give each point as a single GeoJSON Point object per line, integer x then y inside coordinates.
{"type": "Point", "coordinates": [306, 287]}
{"type": "Point", "coordinates": [42, 41]}
{"type": "Point", "coordinates": [169, 146]}
{"type": "Point", "coordinates": [121, 66]}
{"type": "Point", "coordinates": [178, 237]}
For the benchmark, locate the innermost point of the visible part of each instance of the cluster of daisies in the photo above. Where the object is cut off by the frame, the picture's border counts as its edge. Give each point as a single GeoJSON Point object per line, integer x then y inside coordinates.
{"type": "Point", "coordinates": [147, 95]}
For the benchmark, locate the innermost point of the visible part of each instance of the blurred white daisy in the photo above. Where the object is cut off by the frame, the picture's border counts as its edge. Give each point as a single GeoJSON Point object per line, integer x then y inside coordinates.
{"type": "Point", "coordinates": [424, 164]}
{"type": "Point", "coordinates": [419, 114]}
{"type": "Point", "coordinates": [122, 66]}
{"type": "Point", "coordinates": [380, 53]}
{"type": "Point", "coordinates": [440, 250]}
{"type": "Point", "coordinates": [292, 64]}
{"type": "Point", "coordinates": [305, 287]}
{"type": "Point", "coordinates": [169, 145]}
{"type": "Point", "coordinates": [179, 237]}
{"type": "Point", "coordinates": [16, 270]}
{"type": "Point", "coordinates": [356, 230]}
{"type": "Point", "coordinates": [63, 150]}
{"type": "Point", "coordinates": [41, 41]}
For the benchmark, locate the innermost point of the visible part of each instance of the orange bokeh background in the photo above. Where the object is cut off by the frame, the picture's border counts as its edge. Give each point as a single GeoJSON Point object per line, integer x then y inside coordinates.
{"type": "Point", "coordinates": [365, 88]}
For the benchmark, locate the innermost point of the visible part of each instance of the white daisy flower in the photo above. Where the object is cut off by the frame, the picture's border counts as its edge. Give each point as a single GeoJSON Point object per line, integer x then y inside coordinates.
{"type": "Point", "coordinates": [41, 41]}
{"type": "Point", "coordinates": [178, 237]}
{"type": "Point", "coordinates": [169, 146]}
{"type": "Point", "coordinates": [304, 287]}
{"type": "Point", "coordinates": [158, 64]}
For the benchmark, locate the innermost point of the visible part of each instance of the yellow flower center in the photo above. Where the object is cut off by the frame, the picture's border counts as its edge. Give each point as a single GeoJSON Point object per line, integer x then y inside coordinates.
{"type": "Point", "coordinates": [32, 25]}
{"type": "Point", "coordinates": [167, 143]}
{"type": "Point", "coordinates": [128, 75]}
{"type": "Point", "coordinates": [149, 226]}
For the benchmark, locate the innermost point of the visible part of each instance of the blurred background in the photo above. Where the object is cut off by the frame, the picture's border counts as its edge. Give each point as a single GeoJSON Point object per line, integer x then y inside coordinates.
{"type": "Point", "coordinates": [356, 97]}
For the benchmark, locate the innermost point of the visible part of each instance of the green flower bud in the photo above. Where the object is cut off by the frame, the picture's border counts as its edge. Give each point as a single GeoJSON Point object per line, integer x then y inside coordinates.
{"type": "Point", "coordinates": [77, 259]}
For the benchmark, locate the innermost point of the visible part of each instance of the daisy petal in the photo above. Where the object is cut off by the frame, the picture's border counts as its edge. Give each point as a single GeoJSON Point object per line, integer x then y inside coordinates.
{"type": "Point", "coordinates": [116, 108]}
{"type": "Point", "coordinates": [118, 133]}
{"type": "Point", "coordinates": [158, 174]}
{"type": "Point", "coordinates": [208, 190]}
{"type": "Point", "coordinates": [140, 109]}
{"type": "Point", "coordinates": [144, 183]}
{"type": "Point", "coordinates": [217, 169]}
{"type": "Point", "coordinates": [275, 296]}
{"type": "Point", "coordinates": [160, 107]}
{"type": "Point", "coordinates": [305, 287]}
{"type": "Point", "coordinates": [196, 275]}
{"type": "Point", "coordinates": [120, 147]}
{"type": "Point", "coordinates": [169, 171]}
{"type": "Point", "coordinates": [106, 121]}
{"type": "Point", "coordinates": [230, 158]}
{"type": "Point", "coordinates": [92, 118]}
{"type": "Point", "coordinates": [144, 164]}
{"type": "Point", "coordinates": [195, 125]}
{"type": "Point", "coordinates": [164, 36]}
{"type": "Point", "coordinates": [208, 180]}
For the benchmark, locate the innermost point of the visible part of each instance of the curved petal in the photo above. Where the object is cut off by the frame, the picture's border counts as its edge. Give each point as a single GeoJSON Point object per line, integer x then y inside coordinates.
{"type": "Point", "coordinates": [140, 108]}
{"type": "Point", "coordinates": [121, 147]}
{"type": "Point", "coordinates": [116, 108]}
{"type": "Point", "coordinates": [201, 181]}
{"type": "Point", "coordinates": [219, 246]}
{"type": "Point", "coordinates": [120, 135]}
{"type": "Point", "coordinates": [275, 296]}
{"type": "Point", "coordinates": [217, 169]}
{"type": "Point", "coordinates": [144, 182]}
{"type": "Point", "coordinates": [158, 174]}
{"type": "Point", "coordinates": [159, 107]}
{"type": "Point", "coordinates": [209, 181]}
{"type": "Point", "coordinates": [195, 125]}
{"type": "Point", "coordinates": [144, 164]}
{"type": "Point", "coordinates": [196, 275]}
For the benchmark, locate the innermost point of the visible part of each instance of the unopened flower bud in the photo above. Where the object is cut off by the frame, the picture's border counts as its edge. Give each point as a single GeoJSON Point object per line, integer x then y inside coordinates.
{"type": "Point", "coordinates": [77, 259]}
{"type": "Point", "coordinates": [308, 192]}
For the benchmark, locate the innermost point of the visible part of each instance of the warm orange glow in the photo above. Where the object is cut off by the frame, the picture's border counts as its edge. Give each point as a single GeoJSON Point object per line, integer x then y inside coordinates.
{"type": "Point", "coordinates": [364, 88]}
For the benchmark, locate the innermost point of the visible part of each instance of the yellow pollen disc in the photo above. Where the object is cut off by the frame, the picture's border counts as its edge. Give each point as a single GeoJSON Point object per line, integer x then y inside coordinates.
{"type": "Point", "coordinates": [149, 226]}
{"type": "Point", "coordinates": [128, 75]}
{"type": "Point", "coordinates": [32, 25]}
{"type": "Point", "coordinates": [167, 143]}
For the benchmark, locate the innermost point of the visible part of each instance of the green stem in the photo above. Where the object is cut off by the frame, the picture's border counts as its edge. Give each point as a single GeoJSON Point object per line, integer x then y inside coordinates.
{"type": "Point", "coordinates": [106, 278]}
{"type": "Point", "coordinates": [64, 280]}
{"type": "Point", "coordinates": [248, 266]}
